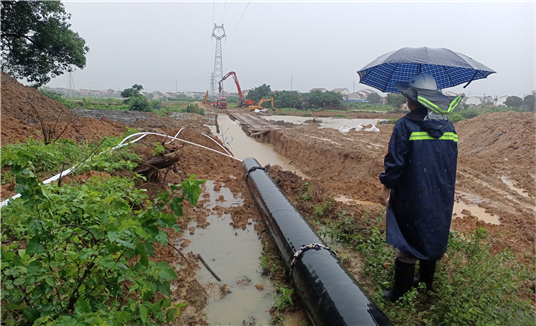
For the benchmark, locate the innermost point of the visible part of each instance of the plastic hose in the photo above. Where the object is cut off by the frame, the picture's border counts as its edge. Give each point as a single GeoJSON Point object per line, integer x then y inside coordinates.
{"type": "Point", "coordinates": [225, 149]}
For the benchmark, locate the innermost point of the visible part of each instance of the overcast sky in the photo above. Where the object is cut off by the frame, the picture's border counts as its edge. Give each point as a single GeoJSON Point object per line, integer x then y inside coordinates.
{"type": "Point", "coordinates": [167, 46]}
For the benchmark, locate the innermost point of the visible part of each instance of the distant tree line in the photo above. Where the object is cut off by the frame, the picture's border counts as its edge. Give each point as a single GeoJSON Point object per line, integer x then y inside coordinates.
{"type": "Point", "coordinates": [304, 101]}
{"type": "Point", "coordinates": [528, 102]}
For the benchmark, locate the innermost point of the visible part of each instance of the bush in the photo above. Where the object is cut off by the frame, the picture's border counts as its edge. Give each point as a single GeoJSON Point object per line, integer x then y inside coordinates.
{"type": "Point", "coordinates": [194, 108]}
{"type": "Point", "coordinates": [71, 253]}
{"type": "Point", "coordinates": [139, 103]}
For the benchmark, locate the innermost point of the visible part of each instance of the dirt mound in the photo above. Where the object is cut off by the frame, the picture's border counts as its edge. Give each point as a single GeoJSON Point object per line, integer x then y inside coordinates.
{"type": "Point", "coordinates": [503, 142]}
{"type": "Point", "coordinates": [15, 103]}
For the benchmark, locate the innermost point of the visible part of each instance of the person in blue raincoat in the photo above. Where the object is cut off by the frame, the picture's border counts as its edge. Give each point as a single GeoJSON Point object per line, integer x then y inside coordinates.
{"type": "Point", "coordinates": [418, 183]}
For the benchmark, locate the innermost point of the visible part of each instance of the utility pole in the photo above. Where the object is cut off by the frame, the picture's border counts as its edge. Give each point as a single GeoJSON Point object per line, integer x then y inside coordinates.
{"type": "Point", "coordinates": [218, 65]}
{"type": "Point", "coordinates": [291, 83]}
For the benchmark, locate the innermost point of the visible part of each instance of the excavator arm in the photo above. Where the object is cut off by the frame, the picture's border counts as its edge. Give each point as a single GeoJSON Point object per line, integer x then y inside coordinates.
{"type": "Point", "coordinates": [241, 101]}
{"type": "Point", "coordinates": [262, 100]}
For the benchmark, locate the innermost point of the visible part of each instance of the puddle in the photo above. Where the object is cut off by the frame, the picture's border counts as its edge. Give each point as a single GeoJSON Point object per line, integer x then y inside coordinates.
{"type": "Point", "coordinates": [349, 200]}
{"type": "Point", "coordinates": [333, 123]}
{"type": "Point", "coordinates": [461, 209]}
{"type": "Point", "coordinates": [233, 254]}
{"type": "Point", "coordinates": [510, 184]}
{"type": "Point", "coordinates": [243, 146]}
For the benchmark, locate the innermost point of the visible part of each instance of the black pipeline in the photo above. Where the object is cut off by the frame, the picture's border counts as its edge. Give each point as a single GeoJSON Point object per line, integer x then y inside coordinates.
{"type": "Point", "coordinates": [331, 294]}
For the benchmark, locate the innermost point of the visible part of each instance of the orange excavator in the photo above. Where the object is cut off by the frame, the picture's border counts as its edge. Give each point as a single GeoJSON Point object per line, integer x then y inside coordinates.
{"type": "Point", "coordinates": [241, 102]}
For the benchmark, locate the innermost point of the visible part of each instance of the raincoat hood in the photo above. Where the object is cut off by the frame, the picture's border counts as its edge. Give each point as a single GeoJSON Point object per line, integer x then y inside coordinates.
{"type": "Point", "coordinates": [435, 124]}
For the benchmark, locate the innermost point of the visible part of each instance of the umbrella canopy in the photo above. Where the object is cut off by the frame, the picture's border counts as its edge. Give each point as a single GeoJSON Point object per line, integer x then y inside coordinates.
{"type": "Point", "coordinates": [448, 68]}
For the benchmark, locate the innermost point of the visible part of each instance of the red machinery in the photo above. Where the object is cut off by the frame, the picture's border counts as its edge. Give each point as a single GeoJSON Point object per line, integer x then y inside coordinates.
{"type": "Point", "coordinates": [241, 102]}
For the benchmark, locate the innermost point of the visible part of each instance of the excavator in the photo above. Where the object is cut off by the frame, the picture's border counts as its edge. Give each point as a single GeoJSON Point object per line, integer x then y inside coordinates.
{"type": "Point", "coordinates": [262, 100]}
{"type": "Point", "coordinates": [242, 101]}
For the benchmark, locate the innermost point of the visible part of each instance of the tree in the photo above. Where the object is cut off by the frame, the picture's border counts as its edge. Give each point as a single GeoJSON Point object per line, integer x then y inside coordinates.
{"type": "Point", "coordinates": [530, 101]}
{"type": "Point", "coordinates": [259, 92]}
{"type": "Point", "coordinates": [37, 43]}
{"type": "Point", "coordinates": [318, 99]}
{"type": "Point", "coordinates": [373, 98]}
{"type": "Point", "coordinates": [133, 91]}
{"type": "Point", "coordinates": [396, 100]}
{"type": "Point", "coordinates": [513, 101]}
{"type": "Point", "coordinates": [135, 99]}
{"type": "Point", "coordinates": [286, 99]}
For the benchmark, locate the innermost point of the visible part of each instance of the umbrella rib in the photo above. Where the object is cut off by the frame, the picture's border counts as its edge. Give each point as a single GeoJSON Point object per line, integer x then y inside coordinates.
{"type": "Point", "coordinates": [451, 82]}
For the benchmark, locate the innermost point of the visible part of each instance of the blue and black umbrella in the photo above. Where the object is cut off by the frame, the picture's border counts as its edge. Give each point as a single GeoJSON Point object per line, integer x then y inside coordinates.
{"type": "Point", "coordinates": [448, 68]}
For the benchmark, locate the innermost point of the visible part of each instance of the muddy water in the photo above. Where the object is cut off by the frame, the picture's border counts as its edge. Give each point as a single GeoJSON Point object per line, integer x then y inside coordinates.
{"type": "Point", "coordinates": [233, 254]}
{"type": "Point", "coordinates": [349, 200]}
{"type": "Point", "coordinates": [334, 123]}
{"type": "Point", "coordinates": [510, 184]}
{"type": "Point", "coordinates": [461, 209]}
{"type": "Point", "coordinates": [243, 147]}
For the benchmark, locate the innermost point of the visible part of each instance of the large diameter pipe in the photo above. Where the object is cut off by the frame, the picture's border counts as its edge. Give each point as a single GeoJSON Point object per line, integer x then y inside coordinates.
{"type": "Point", "coordinates": [330, 293]}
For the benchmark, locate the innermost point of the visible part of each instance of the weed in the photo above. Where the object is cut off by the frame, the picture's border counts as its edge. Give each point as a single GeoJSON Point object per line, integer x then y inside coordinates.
{"type": "Point", "coordinates": [282, 297]}
{"type": "Point", "coordinates": [319, 209]}
{"type": "Point", "coordinates": [158, 149]}
{"type": "Point", "coordinates": [283, 300]}
{"type": "Point", "coordinates": [306, 195]}
{"type": "Point", "coordinates": [343, 116]}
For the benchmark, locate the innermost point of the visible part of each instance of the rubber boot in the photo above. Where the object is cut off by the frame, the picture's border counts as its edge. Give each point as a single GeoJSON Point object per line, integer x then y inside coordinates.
{"type": "Point", "coordinates": [403, 281]}
{"type": "Point", "coordinates": [426, 274]}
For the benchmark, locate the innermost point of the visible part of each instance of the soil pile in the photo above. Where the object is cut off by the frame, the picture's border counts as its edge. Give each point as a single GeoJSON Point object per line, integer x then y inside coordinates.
{"type": "Point", "coordinates": [21, 121]}
{"type": "Point", "coordinates": [15, 103]}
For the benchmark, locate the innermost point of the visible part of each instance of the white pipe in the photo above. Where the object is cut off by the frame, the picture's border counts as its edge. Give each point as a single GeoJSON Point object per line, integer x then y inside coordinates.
{"type": "Point", "coordinates": [225, 149]}
{"type": "Point", "coordinates": [121, 144]}
{"type": "Point", "coordinates": [177, 135]}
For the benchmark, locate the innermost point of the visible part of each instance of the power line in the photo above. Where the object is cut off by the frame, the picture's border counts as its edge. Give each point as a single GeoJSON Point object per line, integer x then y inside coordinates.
{"type": "Point", "coordinates": [223, 14]}
{"type": "Point", "coordinates": [240, 18]}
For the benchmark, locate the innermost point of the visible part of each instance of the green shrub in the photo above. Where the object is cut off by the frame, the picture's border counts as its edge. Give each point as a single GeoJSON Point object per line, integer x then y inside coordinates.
{"type": "Point", "coordinates": [71, 253]}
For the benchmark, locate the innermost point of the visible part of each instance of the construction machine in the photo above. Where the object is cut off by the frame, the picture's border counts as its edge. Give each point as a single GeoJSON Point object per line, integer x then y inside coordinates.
{"type": "Point", "coordinates": [262, 100]}
{"type": "Point", "coordinates": [241, 101]}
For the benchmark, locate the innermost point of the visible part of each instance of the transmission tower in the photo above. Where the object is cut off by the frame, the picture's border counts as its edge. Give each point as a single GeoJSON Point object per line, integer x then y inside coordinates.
{"type": "Point", "coordinates": [212, 87]}
{"type": "Point", "coordinates": [218, 66]}
{"type": "Point", "coordinates": [70, 86]}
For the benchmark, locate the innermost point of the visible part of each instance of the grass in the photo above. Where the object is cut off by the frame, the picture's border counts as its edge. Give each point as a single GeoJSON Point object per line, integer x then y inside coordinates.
{"type": "Point", "coordinates": [472, 286]}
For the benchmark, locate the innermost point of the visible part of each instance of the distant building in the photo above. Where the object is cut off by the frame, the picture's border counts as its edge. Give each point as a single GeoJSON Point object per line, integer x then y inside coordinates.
{"type": "Point", "coordinates": [500, 100]}
{"type": "Point", "coordinates": [323, 90]}
{"type": "Point", "coordinates": [473, 100]}
{"type": "Point", "coordinates": [354, 97]}
{"type": "Point", "coordinates": [343, 91]}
